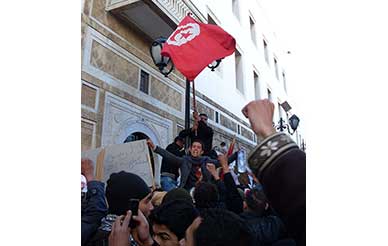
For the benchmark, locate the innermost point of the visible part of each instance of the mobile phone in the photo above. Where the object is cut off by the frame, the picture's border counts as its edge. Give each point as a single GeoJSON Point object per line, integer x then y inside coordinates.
{"type": "Point", "coordinates": [133, 205]}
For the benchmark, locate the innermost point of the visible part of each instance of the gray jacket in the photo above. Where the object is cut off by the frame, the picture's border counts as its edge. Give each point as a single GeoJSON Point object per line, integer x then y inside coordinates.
{"type": "Point", "coordinates": [185, 163]}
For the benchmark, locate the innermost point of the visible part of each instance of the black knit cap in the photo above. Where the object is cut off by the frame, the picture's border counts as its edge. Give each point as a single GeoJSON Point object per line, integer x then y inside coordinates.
{"type": "Point", "coordinates": [121, 187]}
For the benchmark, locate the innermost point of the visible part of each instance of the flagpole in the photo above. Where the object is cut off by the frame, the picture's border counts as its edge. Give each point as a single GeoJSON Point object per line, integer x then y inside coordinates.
{"type": "Point", "coordinates": [187, 114]}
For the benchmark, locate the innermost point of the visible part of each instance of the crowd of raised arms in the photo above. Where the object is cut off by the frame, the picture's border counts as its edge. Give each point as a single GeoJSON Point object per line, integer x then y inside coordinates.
{"type": "Point", "coordinates": [203, 199]}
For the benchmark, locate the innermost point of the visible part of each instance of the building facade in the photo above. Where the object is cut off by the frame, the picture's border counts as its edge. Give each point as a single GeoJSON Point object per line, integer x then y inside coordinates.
{"type": "Point", "coordinates": [124, 94]}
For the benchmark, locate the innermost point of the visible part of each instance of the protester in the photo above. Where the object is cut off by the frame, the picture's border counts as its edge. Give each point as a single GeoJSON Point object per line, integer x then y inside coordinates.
{"type": "Point", "coordinates": [121, 187]}
{"type": "Point", "coordinates": [280, 166]}
{"type": "Point", "coordinates": [227, 188]}
{"type": "Point", "coordinates": [200, 131]}
{"type": "Point", "coordinates": [193, 166]}
{"type": "Point", "coordinates": [223, 148]}
{"type": "Point", "coordinates": [93, 206]}
{"type": "Point", "coordinates": [169, 172]}
{"type": "Point", "coordinates": [170, 221]}
{"type": "Point", "coordinates": [123, 235]}
{"type": "Point", "coordinates": [178, 194]}
{"type": "Point", "coordinates": [218, 227]}
{"type": "Point", "coordinates": [265, 228]}
{"type": "Point", "coordinates": [206, 196]}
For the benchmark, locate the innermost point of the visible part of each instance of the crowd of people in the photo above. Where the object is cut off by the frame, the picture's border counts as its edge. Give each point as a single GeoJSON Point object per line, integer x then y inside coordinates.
{"type": "Point", "coordinates": [202, 199]}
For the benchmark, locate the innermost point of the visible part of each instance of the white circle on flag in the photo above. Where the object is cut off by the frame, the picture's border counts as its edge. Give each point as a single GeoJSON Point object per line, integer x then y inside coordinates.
{"type": "Point", "coordinates": [184, 34]}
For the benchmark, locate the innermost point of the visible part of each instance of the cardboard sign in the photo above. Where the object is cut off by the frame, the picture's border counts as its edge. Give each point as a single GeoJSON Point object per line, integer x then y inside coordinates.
{"type": "Point", "coordinates": [130, 157]}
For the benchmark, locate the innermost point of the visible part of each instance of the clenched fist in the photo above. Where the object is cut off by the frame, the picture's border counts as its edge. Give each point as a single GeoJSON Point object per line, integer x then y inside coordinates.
{"type": "Point", "coordinates": [260, 115]}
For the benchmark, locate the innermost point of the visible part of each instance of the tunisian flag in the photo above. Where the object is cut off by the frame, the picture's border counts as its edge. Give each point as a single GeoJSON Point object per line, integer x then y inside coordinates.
{"type": "Point", "coordinates": [194, 45]}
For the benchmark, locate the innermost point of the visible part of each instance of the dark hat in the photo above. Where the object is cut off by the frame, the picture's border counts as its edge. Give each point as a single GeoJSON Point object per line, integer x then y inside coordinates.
{"type": "Point", "coordinates": [121, 187]}
{"type": "Point", "coordinates": [177, 194]}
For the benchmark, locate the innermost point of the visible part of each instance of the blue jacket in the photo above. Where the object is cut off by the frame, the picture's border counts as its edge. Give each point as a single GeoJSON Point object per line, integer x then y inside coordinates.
{"type": "Point", "coordinates": [93, 209]}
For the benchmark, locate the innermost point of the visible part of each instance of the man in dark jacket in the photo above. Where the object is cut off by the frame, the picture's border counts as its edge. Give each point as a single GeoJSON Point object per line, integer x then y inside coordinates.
{"type": "Point", "coordinates": [280, 166]}
{"type": "Point", "coordinates": [192, 166]}
{"type": "Point", "coordinates": [169, 172]}
{"type": "Point", "coordinates": [200, 131]}
{"type": "Point", "coordinates": [93, 204]}
{"type": "Point", "coordinates": [121, 187]}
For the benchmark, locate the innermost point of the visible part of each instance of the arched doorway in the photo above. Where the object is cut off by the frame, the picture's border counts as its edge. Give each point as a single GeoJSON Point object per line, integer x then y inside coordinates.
{"type": "Point", "coordinates": [140, 136]}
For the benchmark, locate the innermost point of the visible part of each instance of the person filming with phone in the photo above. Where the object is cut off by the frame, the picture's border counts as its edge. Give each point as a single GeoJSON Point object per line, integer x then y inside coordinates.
{"type": "Point", "coordinates": [127, 195]}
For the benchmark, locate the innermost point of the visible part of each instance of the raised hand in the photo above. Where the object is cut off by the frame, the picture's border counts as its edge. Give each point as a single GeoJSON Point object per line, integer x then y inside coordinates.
{"type": "Point", "coordinates": [260, 115]}
{"type": "Point", "coordinates": [213, 171]}
{"type": "Point", "coordinates": [87, 169]}
{"type": "Point", "coordinates": [151, 144]}
{"type": "Point", "coordinates": [223, 159]}
{"type": "Point", "coordinates": [141, 232]}
{"type": "Point", "coordinates": [119, 235]}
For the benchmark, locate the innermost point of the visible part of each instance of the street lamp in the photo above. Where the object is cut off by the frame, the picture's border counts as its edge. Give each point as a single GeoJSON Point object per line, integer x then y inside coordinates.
{"type": "Point", "coordinates": [293, 124]}
{"type": "Point", "coordinates": [166, 66]}
{"type": "Point", "coordinates": [214, 64]}
{"type": "Point", "coordinates": [164, 63]}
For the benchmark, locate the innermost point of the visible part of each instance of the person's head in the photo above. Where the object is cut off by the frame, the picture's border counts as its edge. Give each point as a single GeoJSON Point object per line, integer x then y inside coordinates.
{"type": "Point", "coordinates": [196, 148]}
{"type": "Point", "coordinates": [223, 144]}
{"type": "Point", "coordinates": [170, 221]}
{"type": "Point", "coordinates": [203, 117]}
{"type": "Point", "coordinates": [255, 201]}
{"type": "Point", "coordinates": [177, 194]}
{"type": "Point", "coordinates": [179, 141]}
{"type": "Point", "coordinates": [205, 195]}
{"type": "Point", "coordinates": [123, 186]}
{"type": "Point", "coordinates": [221, 227]}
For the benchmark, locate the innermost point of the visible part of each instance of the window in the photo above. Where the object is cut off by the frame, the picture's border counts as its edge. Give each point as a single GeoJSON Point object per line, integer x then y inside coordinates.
{"type": "Point", "coordinates": [217, 117]}
{"type": "Point", "coordinates": [236, 8]}
{"type": "Point", "coordinates": [276, 68]}
{"type": "Point", "coordinates": [144, 82]}
{"type": "Point", "coordinates": [280, 111]}
{"type": "Point", "coordinates": [269, 94]}
{"type": "Point", "coordinates": [253, 30]}
{"type": "Point", "coordinates": [257, 85]}
{"type": "Point", "coordinates": [266, 52]}
{"type": "Point", "coordinates": [239, 72]}
{"type": "Point", "coordinates": [210, 20]}
{"type": "Point", "coordinates": [284, 81]}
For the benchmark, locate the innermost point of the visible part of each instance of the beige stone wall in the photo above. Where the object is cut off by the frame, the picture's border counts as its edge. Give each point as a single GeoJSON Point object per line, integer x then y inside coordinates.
{"type": "Point", "coordinates": [166, 94]}
{"type": "Point", "coordinates": [88, 96]}
{"type": "Point", "coordinates": [86, 135]}
{"type": "Point", "coordinates": [113, 64]}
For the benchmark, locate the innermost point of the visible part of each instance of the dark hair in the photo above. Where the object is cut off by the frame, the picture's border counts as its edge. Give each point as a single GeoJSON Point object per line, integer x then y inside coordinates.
{"type": "Point", "coordinates": [202, 114]}
{"type": "Point", "coordinates": [197, 140]}
{"type": "Point", "coordinates": [222, 144]}
{"type": "Point", "coordinates": [177, 194]}
{"type": "Point", "coordinates": [221, 227]}
{"type": "Point", "coordinates": [178, 138]}
{"type": "Point", "coordinates": [176, 215]}
{"type": "Point", "coordinates": [205, 195]}
{"type": "Point", "coordinates": [256, 201]}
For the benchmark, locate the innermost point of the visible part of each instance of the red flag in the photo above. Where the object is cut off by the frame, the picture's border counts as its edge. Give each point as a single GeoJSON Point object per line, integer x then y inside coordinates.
{"type": "Point", "coordinates": [194, 45]}
{"type": "Point", "coordinates": [231, 147]}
